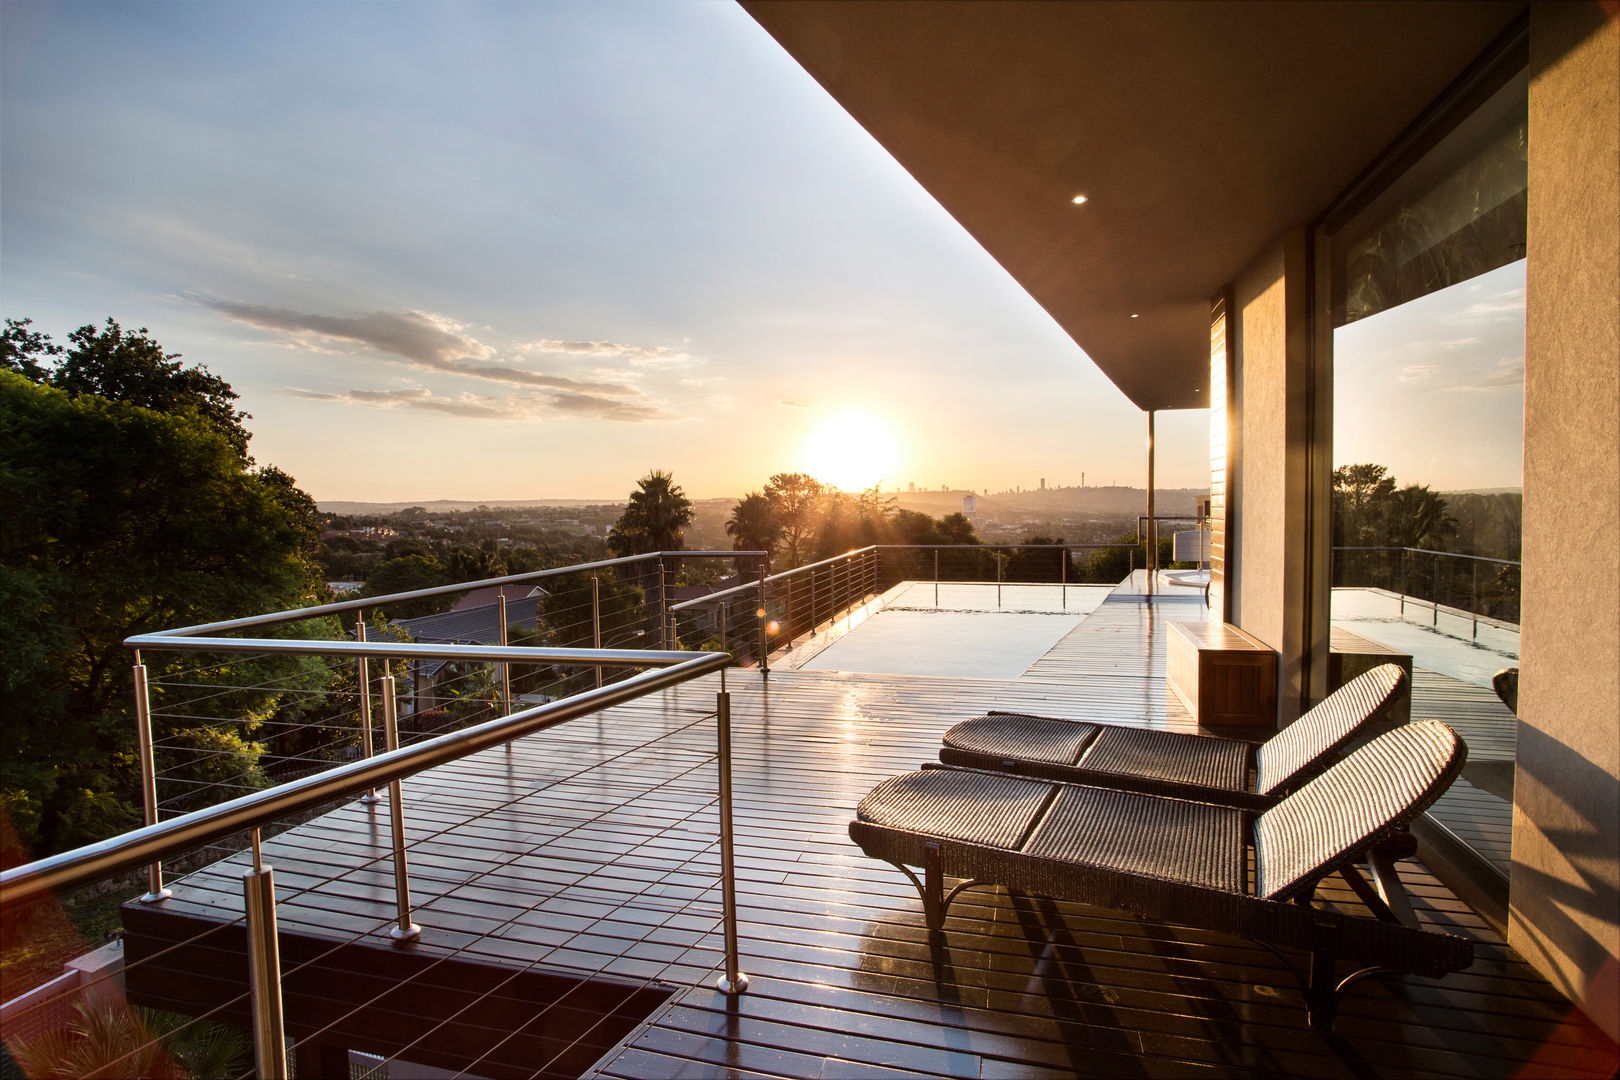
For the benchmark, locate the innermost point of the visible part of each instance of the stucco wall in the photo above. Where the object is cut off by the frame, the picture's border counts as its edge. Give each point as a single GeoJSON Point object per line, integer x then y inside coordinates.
{"type": "Point", "coordinates": [1268, 336]}
{"type": "Point", "coordinates": [1566, 823]}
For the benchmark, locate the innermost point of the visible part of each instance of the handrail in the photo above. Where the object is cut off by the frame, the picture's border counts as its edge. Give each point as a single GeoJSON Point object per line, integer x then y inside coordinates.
{"type": "Point", "coordinates": [815, 565]}
{"type": "Point", "coordinates": [140, 847]}
{"type": "Point", "coordinates": [1000, 547]}
{"type": "Point", "coordinates": [412, 650]}
{"type": "Point", "coordinates": [341, 606]}
{"type": "Point", "coordinates": [753, 586]}
{"type": "Point", "coordinates": [1430, 551]}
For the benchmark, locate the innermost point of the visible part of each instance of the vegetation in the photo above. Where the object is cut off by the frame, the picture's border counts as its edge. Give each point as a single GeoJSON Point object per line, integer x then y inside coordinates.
{"type": "Point", "coordinates": [1370, 511]}
{"type": "Point", "coordinates": [113, 1040]}
{"type": "Point", "coordinates": [132, 506]}
{"type": "Point", "coordinates": [655, 518]}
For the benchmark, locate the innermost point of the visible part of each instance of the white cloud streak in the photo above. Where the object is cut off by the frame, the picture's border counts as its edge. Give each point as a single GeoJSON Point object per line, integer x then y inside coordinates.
{"type": "Point", "coordinates": [419, 338]}
{"type": "Point", "coordinates": [481, 407]}
{"type": "Point", "coordinates": [637, 355]}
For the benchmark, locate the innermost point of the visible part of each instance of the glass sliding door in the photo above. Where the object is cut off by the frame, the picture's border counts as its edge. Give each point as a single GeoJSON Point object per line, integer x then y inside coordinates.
{"type": "Point", "coordinates": [1425, 296]}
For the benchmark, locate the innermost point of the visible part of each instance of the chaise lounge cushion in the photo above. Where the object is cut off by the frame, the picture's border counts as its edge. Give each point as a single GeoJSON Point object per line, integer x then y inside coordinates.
{"type": "Point", "coordinates": [1182, 765]}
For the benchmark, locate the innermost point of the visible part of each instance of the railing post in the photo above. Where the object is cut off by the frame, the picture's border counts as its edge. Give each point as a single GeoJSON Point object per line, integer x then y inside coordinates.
{"type": "Point", "coordinates": [506, 669]}
{"type": "Point", "coordinates": [362, 674]}
{"type": "Point", "coordinates": [1403, 583]}
{"type": "Point", "coordinates": [596, 622]}
{"type": "Point", "coordinates": [663, 642]}
{"type": "Point", "coordinates": [936, 577]}
{"type": "Point", "coordinates": [764, 621]}
{"type": "Point", "coordinates": [149, 807]}
{"type": "Point", "coordinates": [733, 981]}
{"type": "Point", "coordinates": [405, 929]}
{"type": "Point", "coordinates": [1474, 607]}
{"type": "Point", "coordinates": [1435, 586]}
{"type": "Point", "coordinates": [264, 968]}
{"type": "Point", "coordinates": [815, 615]}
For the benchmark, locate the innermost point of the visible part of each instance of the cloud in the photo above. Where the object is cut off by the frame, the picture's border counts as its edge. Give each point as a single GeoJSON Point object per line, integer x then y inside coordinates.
{"type": "Point", "coordinates": [1507, 375]}
{"type": "Point", "coordinates": [483, 407]}
{"type": "Point", "coordinates": [637, 355]}
{"type": "Point", "coordinates": [419, 338]}
{"type": "Point", "coordinates": [1459, 343]}
{"type": "Point", "coordinates": [1507, 304]}
{"type": "Point", "coordinates": [793, 404]}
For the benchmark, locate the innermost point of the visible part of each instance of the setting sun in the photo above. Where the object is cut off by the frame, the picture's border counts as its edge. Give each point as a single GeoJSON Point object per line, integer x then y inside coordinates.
{"type": "Point", "coordinates": [852, 451]}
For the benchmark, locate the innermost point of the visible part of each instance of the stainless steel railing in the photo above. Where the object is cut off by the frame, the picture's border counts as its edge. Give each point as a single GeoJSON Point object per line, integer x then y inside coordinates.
{"type": "Point", "coordinates": [1410, 571]}
{"type": "Point", "coordinates": [791, 603]}
{"type": "Point", "coordinates": [158, 840]}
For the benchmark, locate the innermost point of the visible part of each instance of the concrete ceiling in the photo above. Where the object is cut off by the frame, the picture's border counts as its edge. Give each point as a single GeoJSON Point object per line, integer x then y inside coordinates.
{"type": "Point", "coordinates": [1199, 131]}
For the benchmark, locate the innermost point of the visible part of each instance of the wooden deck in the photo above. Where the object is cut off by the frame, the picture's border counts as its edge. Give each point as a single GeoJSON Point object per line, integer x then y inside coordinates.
{"type": "Point", "coordinates": [590, 851]}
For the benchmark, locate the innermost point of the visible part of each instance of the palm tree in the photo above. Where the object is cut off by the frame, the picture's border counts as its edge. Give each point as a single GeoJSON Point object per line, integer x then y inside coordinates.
{"type": "Point", "coordinates": [655, 519]}
{"type": "Point", "coordinates": [753, 525]}
{"type": "Point", "coordinates": [1416, 517]}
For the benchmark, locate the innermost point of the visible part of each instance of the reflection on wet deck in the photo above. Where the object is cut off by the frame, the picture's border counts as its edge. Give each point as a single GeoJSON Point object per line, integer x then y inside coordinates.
{"type": "Point", "coordinates": [591, 849]}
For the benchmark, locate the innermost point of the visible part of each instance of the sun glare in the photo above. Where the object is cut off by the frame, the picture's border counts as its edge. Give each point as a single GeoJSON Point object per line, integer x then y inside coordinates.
{"type": "Point", "coordinates": [852, 451]}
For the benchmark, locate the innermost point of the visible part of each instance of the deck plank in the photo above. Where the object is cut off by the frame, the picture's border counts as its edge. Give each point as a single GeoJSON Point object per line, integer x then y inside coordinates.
{"type": "Point", "coordinates": [592, 849]}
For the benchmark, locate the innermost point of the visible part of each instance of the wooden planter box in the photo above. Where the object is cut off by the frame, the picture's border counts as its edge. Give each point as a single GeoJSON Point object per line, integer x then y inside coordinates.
{"type": "Point", "coordinates": [1224, 676]}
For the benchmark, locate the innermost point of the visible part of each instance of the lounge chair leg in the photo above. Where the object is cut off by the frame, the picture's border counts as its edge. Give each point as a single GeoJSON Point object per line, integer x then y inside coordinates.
{"type": "Point", "coordinates": [1387, 881]}
{"type": "Point", "coordinates": [1322, 998]}
{"type": "Point", "coordinates": [933, 891]}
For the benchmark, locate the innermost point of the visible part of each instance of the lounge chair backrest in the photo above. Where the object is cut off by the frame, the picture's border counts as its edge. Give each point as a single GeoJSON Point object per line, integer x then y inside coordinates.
{"type": "Point", "coordinates": [1305, 743]}
{"type": "Point", "coordinates": [1357, 802]}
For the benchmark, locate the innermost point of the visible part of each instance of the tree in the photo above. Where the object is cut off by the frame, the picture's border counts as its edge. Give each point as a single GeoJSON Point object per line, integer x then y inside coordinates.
{"type": "Point", "coordinates": [27, 351]}
{"type": "Point", "coordinates": [1416, 517]}
{"type": "Point", "coordinates": [408, 573]}
{"type": "Point", "coordinates": [795, 500]}
{"type": "Point", "coordinates": [655, 518]}
{"type": "Point", "coordinates": [119, 520]}
{"type": "Point", "coordinates": [752, 525]}
{"type": "Point", "coordinates": [1360, 499]}
{"type": "Point", "coordinates": [961, 565]}
{"type": "Point", "coordinates": [129, 367]}
{"type": "Point", "coordinates": [1039, 564]}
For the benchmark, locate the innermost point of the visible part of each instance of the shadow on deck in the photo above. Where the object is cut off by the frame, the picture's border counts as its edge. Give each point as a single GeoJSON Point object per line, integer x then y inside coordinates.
{"type": "Point", "coordinates": [589, 853]}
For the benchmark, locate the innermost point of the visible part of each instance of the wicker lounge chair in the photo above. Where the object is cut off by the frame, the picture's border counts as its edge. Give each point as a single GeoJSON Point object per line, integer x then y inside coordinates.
{"type": "Point", "coordinates": [1184, 862]}
{"type": "Point", "coordinates": [1226, 771]}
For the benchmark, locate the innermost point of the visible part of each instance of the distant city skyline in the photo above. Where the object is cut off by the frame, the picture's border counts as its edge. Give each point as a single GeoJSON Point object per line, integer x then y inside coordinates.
{"type": "Point", "coordinates": [526, 251]}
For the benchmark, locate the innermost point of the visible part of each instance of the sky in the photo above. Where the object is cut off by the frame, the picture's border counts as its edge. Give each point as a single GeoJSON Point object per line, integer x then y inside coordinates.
{"type": "Point", "coordinates": [518, 251]}
{"type": "Point", "coordinates": [1434, 389]}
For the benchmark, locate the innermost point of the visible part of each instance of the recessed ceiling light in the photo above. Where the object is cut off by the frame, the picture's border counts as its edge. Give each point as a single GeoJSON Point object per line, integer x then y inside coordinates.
{"type": "Point", "coordinates": [1078, 200]}
{"type": "Point", "coordinates": [1136, 316]}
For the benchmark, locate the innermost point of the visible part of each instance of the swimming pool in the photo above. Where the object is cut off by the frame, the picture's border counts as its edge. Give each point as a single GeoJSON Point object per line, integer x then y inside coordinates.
{"type": "Point", "coordinates": [966, 634]}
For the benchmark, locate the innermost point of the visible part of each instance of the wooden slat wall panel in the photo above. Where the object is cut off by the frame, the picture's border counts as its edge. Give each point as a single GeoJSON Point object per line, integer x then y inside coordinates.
{"type": "Point", "coordinates": [1218, 457]}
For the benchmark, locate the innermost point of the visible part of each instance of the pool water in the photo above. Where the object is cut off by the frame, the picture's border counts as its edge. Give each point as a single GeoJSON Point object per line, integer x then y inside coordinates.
{"type": "Point", "coordinates": [965, 636]}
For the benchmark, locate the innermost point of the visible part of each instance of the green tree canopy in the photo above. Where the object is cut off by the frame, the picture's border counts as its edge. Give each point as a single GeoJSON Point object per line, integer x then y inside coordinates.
{"type": "Point", "coordinates": [125, 366]}
{"type": "Point", "coordinates": [655, 519]}
{"type": "Point", "coordinates": [795, 500]}
{"type": "Point", "coordinates": [119, 520]}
